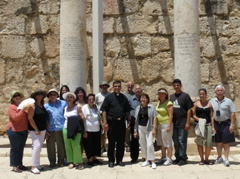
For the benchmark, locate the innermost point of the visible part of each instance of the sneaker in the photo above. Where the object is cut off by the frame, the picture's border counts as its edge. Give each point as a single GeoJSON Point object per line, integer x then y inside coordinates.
{"type": "Point", "coordinates": [168, 162]}
{"type": "Point", "coordinates": [146, 163]}
{"type": "Point", "coordinates": [226, 162]}
{"type": "Point", "coordinates": [154, 166]}
{"type": "Point", "coordinates": [161, 161]}
{"type": "Point", "coordinates": [218, 160]}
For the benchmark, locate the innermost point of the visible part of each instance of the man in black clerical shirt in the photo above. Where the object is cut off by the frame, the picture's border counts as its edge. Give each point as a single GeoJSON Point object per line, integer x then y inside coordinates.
{"type": "Point", "coordinates": [115, 110]}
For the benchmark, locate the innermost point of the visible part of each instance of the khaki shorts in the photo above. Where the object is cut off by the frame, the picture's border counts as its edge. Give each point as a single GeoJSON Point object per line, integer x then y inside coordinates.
{"type": "Point", "coordinates": [164, 138]}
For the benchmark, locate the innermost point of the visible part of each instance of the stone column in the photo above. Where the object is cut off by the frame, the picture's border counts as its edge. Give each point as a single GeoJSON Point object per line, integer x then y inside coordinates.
{"type": "Point", "coordinates": [187, 45]}
{"type": "Point", "coordinates": [97, 24]}
{"type": "Point", "coordinates": [73, 68]}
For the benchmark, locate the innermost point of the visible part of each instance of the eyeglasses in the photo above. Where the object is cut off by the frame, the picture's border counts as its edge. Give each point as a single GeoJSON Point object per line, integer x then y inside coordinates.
{"type": "Point", "coordinates": [90, 99]}
{"type": "Point", "coordinates": [130, 85]}
{"type": "Point", "coordinates": [117, 86]}
{"type": "Point", "coordinates": [16, 95]}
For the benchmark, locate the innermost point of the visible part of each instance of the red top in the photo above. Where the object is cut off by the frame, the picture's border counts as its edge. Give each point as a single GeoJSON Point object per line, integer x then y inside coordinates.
{"type": "Point", "coordinates": [18, 119]}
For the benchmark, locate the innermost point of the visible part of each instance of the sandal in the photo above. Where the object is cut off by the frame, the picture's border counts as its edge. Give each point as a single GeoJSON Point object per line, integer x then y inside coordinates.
{"type": "Point", "coordinates": [201, 163]}
{"type": "Point", "coordinates": [208, 163]}
{"type": "Point", "coordinates": [17, 170]}
{"type": "Point", "coordinates": [35, 171]}
{"type": "Point", "coordinates": [22, 167]}
{"type": "Point", "coordinates": [80, 167]}
{"type": "Point", "coordinates": [70, 166]}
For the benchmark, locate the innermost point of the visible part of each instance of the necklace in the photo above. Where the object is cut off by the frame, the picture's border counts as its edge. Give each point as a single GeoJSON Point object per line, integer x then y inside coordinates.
{"type": "Point", "coordinates": [142, 111]}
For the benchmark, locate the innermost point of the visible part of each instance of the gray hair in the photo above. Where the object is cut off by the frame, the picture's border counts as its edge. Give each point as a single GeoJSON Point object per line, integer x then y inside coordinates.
{"type": "Point", "coordinates": [219, 86]}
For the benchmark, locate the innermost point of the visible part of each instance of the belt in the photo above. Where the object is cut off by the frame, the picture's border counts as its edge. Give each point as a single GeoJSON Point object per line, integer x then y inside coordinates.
{"type": "Point", "coordinates": [220, 122]}
{"type": "Point", "coordinates": [117, 119]}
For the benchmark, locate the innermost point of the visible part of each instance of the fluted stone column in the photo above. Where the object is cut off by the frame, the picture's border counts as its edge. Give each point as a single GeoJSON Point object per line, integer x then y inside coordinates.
{"type": "Point", "coordinates": [73, 68]}
{"type": "Point", "coordinates": [187, 45]}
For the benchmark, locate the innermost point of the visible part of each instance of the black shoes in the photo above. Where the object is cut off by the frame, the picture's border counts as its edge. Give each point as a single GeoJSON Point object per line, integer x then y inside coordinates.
{"type": "Point", "coordinates": [182, 162]}
{"type": "Point", "coordinates": [121, 164]}
{"type": "Point", "coordinates": [91, 163]}
{"type": "Point", "coordinates": [175, 162]}
{"type": "Point", "coordinates": [110, 164]}
{"type": "Point", "coordinates": [134, 161]}
{"type": "Point", "coordinates": [96, 161]}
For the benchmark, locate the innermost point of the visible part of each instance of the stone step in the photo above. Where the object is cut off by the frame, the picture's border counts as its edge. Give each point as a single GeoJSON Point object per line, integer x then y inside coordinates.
{"type": "Point", "coordinates": [191, 150]}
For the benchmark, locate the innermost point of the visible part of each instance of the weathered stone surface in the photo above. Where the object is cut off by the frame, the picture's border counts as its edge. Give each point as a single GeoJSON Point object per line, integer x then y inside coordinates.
{"type": "Point", "coordinates": [39, 25]}
{"type": "Point", "coordinates": [54, 24]}
{"type": "Point", "coordinates": [2, 70]}
{"type": "Point", "coordinates": [209, 46]}
{"type": "Point", "coordinates": [15, 73]}
{"type": "Point", "coordinates": [150, 69]}
{"type": "Point", "coordinates": [219, 7]}
{"type": "Point", "coordinates": [12, 25]}
{"type": "Point", "coordinates": [32, 72]}
{"type": "Point", "coordinates": [89, 47]}
{"type": "Point", "coordinates": [114, 7]}
{"type": "Point", "coordinates": [160, 44]}
{"type": "Point", "coordinates": [13, 46]}
{"type": "Point", "coordinates": [165, 25]}
{"type": "Point", "coordinates": [135, 24]}
{"type": "Point", "coordinates": [108, 71]}
{"type": "Point", "coordinates": [157, 7]}
{"type": "Point", "coordinates": [112, 47]}
{"type": "Point", "coordinates": [49, 7]}
{"type": "Point", "coordinates": [142, 45]}
{"type": "Point", "coordinates": [108, 23]}
{"type": "Point", "coordinates": [205, 75]}
{"type": "Point", "coordinates": [51, 50]}
{"type": "Point", "coordinates": [126, 70]}
{"type": "Point", "coordinates": [37, 47]}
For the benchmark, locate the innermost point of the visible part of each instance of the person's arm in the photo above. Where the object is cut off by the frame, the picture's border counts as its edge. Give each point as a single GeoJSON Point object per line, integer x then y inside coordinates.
{"type": "Point", "coordinates": [231, 128]}
{"type": "Point", "coordinates": [212, 119]}
{"type": "Point", "coordinates": [104, 121]}
{"type": "Point", "coordinates": [154, 126]}
{"type": "Point", "coordinates": [170, 116]}
{"type": "Point", "coordinates": [189, 113]}
{"type": "Point", "coordinates": [81, 114]}
{"type": "Point", "coordinates": [31, 121]}
{"type": "Point", "coordinates": [15, 114]}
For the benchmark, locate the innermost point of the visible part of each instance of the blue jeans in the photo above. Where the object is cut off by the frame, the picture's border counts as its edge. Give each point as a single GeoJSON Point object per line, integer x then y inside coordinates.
{"type": "Point", "coordinates": [17, 144]}
{"type": "Point", "coordinates": [180, 136]}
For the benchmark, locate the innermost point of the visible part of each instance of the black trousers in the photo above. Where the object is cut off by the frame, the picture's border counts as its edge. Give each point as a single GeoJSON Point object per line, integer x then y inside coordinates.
{"type": "Point", "coordinates": [134, 143]}
{"type": "Point", "coordinates": [116, 136]}
{"type": "Point", "coordinates": [92, 144]}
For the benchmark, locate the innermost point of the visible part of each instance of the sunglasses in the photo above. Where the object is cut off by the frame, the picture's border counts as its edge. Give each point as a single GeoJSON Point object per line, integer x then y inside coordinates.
{"type": "Point", "coordinates": [16, 95]}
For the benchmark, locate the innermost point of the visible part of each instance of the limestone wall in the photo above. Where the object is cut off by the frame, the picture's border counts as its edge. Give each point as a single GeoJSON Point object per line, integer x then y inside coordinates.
{"type": "Point", "coordinates": [138, 45]}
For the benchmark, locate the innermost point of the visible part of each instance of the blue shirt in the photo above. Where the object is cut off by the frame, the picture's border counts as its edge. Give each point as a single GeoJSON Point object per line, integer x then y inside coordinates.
{"type": "Point", "coordinates": [133, 101]}
{"type": "Point", "coordinates": [55, 112]}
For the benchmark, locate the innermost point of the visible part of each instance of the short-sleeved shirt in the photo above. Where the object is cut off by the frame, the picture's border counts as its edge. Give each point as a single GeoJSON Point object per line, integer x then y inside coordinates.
{"type": "Point", "coordinates": [226, 108]}
{"type": "Point", "coordinates": [40, 118]}
{"type": "Point", "coordinates": [55, 112]}
{"type": "Point", "coordinates": [128, 95]}
{"type": "Point", "coordinates": [92, 118]}
{"type": "Point", "coordinates": [162, 117]}
{"type": "Point", "coordinates": [134, 103]}
{"type": "Point", "coordinates": [99, 98]}
{"type": "Point", "coordinates": [116, 105]}
{"type": "Point", "coordinates": [181, 104]}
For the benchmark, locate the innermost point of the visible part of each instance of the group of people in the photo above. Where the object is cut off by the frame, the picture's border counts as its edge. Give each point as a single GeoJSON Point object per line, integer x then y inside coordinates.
{"type": "Point", "coordinates": [73, 121]}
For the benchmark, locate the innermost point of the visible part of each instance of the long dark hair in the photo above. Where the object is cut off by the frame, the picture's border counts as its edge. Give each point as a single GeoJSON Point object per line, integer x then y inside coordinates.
{"type": "Point", "coordinates": [84, 94]}
{"type": "Point", "coordinates": [63, 86]}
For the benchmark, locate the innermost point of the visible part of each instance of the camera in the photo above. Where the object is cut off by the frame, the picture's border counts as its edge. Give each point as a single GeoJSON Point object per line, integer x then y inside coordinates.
{"type": "Point", "coordinates": [218, 113]}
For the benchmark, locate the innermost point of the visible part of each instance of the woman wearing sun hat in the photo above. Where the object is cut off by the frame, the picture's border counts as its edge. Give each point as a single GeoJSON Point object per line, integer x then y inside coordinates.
{"type": "Point", "coordinates": [72, 131]}
{"type": "Point", "coordinates": [17, 130]}
{"type": "Point", "coordinates": [37, 116]}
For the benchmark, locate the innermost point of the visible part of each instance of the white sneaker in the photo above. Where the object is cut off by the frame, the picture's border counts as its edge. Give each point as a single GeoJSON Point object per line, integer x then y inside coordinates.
{"type": "Point", "coordinates": [154, 166]}
{"type": "Point", "coordinates": [226, 162]}
{"type": "Point", "coordinates": [146, 163]}
{"type": "Point", "coordinates": [168, 162]}
{"type": "Point", "coordinates": [218, 160]}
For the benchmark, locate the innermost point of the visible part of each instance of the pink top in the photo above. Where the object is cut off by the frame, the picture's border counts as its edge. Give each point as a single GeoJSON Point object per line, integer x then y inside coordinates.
{"type": "Point", "coordinates": [18, 119]}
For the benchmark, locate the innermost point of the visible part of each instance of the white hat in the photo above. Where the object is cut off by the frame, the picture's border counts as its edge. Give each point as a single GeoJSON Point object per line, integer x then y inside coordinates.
{"type": "Point", "coordinates": [67, 93]}
{"type": "Point", "coordinates": [52, 90]}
